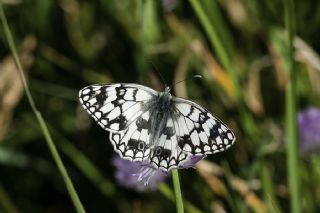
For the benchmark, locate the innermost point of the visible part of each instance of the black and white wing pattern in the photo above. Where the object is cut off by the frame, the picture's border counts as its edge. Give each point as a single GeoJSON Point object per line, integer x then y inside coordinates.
{"type": "Point", "coordinates": [124, 111]}
{"type": "Point", "coordinates": [134, 142]}
{"type": "Point", "coordinates": [154, 127]}
{"type": "Point", "coordinates": [115, 106]}
{"type": "Point", "coordinates": [198, 131]}
{"type": "Point", "coordinates": [166, 153]}
{"type": "Point", "coordinates": [137, 143]}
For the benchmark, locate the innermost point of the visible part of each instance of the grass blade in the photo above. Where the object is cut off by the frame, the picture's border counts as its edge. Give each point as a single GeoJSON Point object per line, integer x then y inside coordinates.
{"type": "Point", "coordinates": [72, 192]}
{"type": "Point", "coordinates": [168, 193]}
{"type": "Point", "coordinates": [292, 145]}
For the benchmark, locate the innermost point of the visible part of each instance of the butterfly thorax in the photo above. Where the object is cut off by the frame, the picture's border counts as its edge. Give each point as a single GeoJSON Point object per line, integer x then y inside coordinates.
{"type": "Point", "coordinates": [160, 115]}
{"type": "Point", "coordinates": [164, 101]}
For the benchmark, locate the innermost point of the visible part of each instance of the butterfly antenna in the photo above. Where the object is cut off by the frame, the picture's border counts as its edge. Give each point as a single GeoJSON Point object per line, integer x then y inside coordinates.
{"type": "Point", "coordinates": [195, 76]}
{"type": "Point", "coordinates": [155, 68]}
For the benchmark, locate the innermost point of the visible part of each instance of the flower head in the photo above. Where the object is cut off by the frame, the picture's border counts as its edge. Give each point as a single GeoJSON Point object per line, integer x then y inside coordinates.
{"type": "Point", "coordinates": [309, 129]}
{"type": "Point", "coordinates": [141, 175]}
{"type": "Point", "coordinates": [137, 175]}
{"type": "Point", "coordinates": [191, 161]}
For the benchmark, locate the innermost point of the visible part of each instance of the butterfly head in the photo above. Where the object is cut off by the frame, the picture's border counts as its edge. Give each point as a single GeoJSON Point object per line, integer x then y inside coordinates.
{"type": "Point", "coordinates": [164, 100]}
{"type": "Point", "coordinates": [167, 89]}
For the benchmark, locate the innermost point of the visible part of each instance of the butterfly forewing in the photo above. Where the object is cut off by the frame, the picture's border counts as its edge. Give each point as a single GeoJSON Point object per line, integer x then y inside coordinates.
{"type": "Point", "coordinates": [115, 106]}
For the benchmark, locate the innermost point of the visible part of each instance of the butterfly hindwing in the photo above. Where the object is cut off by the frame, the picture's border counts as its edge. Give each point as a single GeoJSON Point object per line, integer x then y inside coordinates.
{"type": "Point", "coordinates": [166, 154]}
{"type": "Point", "coordinates": [200, 132]}
{"type": "Point", "coordinates": [115, 106]}
{"type": "Point", "coordinates": [134, 142]}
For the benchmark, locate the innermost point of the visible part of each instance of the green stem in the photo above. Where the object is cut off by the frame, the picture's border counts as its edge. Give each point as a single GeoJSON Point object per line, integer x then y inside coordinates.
{"type": "Point", "coordinates": [268, 189]}
{"type": "Point", "coordinates": [177, 191]}
{"type": "Point", "coordinates": [72, 192]}
{"type": "Point", "coordinates": [168, 193]}
{"type": "Point", "coordinates": [292, 146]}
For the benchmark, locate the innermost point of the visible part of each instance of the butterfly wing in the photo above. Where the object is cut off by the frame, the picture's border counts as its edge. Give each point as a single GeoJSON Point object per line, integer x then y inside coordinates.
{"type": "Point", "coordinates": [166, 154]}
{"type": "Point", "coordinates": [199, 132]}
{"type": "Point", "coordinates": [126, 110]}
{"type": "Point", "coordinates": [189, 130]}
{"type": "Point", "coordinates": [134, 142]}
{"type": "Point", "coordinates": [115, 106]}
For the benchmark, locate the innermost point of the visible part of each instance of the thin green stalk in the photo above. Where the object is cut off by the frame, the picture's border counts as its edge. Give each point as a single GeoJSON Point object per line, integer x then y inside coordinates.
{"type": "Point", "coordinates": [72, 192]}
{"type": "Point", "coordinates": [292, 146]}
{"type": "Point", "coordinates": [224, 59]}
{"type": "Point", "coordinates": [177, 191]}
{"type": "Point", "coordinates": [216, 18]}
{"type": "Point", "coordinates": [268, 189]}
{"type": "Point", "coordinates": [168, 193]}
{"type": "Point", "coordinates": [232, 201]}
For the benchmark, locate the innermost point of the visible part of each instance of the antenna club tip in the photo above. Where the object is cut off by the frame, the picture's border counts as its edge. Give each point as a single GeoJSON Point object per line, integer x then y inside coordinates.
{"type": "Point", "coordinates": [197, 76]}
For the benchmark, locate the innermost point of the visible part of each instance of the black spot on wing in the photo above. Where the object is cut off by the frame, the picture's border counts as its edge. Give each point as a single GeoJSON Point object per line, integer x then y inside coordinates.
{"type": "Point", "coordinates": [101, 97]}
{"type": "Point", "coordinates": [132, 149]}
{"type": "Point", "coordinates": [161, 153]}
{"type": "Point", "coordinates": [137, 145]}
{"type": "Point", "coordinates": [214, 133]}
{"type": "Point", "coordinates": [121, 120]}
{"type": "Point", "coordinates": [120, 91]}
{"type": "Point", "coordinates": [142, 123]}
{"type": "Point", "coordinates": [183, 140]}
{"type": "Point", "coordinates": [169, 132]}
{"type": "Point", "coordinates": [203, 117]}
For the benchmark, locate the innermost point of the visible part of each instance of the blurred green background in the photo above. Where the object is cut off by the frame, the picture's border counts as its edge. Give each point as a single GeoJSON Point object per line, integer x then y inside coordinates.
{"type": "Point", "coordinates": [239, 47]}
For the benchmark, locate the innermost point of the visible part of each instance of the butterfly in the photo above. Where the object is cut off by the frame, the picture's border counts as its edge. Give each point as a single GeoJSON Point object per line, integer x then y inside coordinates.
{"type": "Point", "coordinates": [146, 125]}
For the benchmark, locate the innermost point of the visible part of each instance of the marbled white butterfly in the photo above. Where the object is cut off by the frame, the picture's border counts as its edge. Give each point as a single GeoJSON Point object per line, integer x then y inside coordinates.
{"type": "Point", "coordinates": [155, 126]}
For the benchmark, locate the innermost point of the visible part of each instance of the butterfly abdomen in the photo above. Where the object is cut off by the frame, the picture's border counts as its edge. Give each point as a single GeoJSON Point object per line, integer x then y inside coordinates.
{"type": "Point", "coordinates": [160, 113]}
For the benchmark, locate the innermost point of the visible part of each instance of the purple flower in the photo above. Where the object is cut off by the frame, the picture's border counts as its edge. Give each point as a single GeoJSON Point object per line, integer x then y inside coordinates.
{"type": "Point", "coordinates": [191, 161]}
{"type": "Point", "coordinates": [137, 175]}
{"type": "Point", "coordinates": [309, 129]}
{"type": "Point", "coordinates": [141, 176]}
